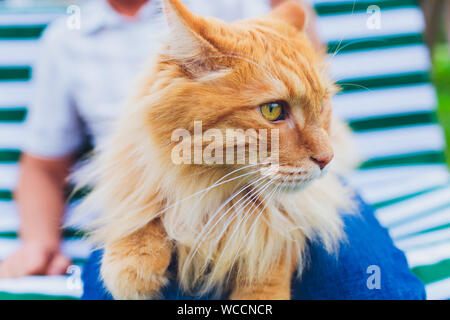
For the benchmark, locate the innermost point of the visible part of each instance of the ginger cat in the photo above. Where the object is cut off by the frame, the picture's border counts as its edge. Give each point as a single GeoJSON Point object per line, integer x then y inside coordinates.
{"type": "Point", "coordinates": [232, 226]}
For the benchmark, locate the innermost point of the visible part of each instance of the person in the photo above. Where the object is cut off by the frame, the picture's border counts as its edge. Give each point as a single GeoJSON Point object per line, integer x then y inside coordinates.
{"type": "Point", "coordinates": [80, 80]}
{"type": "Point", "coordinates": [71, 66]}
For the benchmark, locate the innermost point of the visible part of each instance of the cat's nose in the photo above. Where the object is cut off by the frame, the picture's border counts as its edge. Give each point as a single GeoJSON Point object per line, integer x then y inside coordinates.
{"type": "Point", "coordinates": [323, 160]}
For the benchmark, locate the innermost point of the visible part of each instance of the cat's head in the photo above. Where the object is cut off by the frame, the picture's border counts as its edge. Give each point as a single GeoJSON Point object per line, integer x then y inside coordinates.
{"type": "Point", "coordinates": [261, 74]}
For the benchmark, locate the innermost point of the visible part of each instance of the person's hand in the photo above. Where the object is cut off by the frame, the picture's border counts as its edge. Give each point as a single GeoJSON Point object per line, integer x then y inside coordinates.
{"type": "Point", "coordinates": [35, 259]}
{"type": "Point", "coordinates": [41, 202]}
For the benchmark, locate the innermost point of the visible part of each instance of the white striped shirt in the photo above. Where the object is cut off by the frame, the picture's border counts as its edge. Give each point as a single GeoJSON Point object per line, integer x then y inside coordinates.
{"type": "Point", "coordinates": [83, 75]}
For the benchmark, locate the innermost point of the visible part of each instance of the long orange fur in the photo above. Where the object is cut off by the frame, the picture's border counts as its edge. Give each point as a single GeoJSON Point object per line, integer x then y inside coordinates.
{"type": "Point", "coordinates": [148, 208]}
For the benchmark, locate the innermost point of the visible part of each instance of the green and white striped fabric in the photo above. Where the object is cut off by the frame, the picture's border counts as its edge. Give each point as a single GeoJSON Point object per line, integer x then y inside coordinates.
{"type": "Point", "coordinates": [386, 97]}
{"type": "Point", "coordinates": [390, 104]}
{"type": "Point", "coordinates": [19, 34]}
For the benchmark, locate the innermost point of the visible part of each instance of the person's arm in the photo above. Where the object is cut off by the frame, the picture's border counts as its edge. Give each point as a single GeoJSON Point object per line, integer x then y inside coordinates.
{"type": "Point", "coordinates": [40, 198]}
{"type": "Point", "coordinates": [53, 131]}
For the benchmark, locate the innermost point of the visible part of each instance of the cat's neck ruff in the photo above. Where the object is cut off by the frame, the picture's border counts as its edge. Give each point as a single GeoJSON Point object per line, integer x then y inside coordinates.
{"type": "Point", "coordinates": [231, 231]}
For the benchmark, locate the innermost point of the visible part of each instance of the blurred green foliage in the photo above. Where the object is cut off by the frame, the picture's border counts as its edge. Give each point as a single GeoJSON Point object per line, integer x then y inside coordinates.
{"type": "Point", "coordinates": [441, 78]}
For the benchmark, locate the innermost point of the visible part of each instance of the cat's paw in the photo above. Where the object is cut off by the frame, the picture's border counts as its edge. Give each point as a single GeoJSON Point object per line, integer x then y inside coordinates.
{"type": "Point", "coordinates": [132, 278]}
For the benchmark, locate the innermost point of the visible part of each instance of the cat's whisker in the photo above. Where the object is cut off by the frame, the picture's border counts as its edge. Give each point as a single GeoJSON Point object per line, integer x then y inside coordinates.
{"type": "Point", "coordinates": [239, 210]}
{"type": "Point", "coordinates": [258, 190]}
{"type": "Point", "coordinates": [356, 85]}
{"type": "Point", "coordinates": [179, 202]}
{"type": "Point", "coordinates": [336, 52]}
{"type": "Point", "coordinates": [277, 192]}
{"type": "Point", "coordinates": [234, 56]}
{"type": "Point", "coordinates": [211, 218]}
{"type": "Point", "coordinates": [280, 187]}
{"type": "Point", "coordinates": [340, 42]}
{"type": "Point", "coordinates": [236, 178]}
{"type": "Point", "coordinates": [230, 238]}
{"type": "Point", "coordinates": [234, 171]}
{"type": "Point", "coordinates": [206, 189]}
{"type": "Point", "coordinates": [202, 236]}
{"type": "Point", "coordinates": [266, 200]}
{"type": "Point", "coordinates": [229, 200]}
{"type": "Point", "coordinates": [252, 195]}
{"type": "Point", "coordinates": [246, 216]}
{"type": "Point", "coordinates": [195, 250]}
{"type": "Point", "coordinates": [285, 187]}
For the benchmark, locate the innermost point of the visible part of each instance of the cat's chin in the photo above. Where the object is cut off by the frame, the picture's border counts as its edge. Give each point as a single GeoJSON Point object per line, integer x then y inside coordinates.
{"type": "Point", "coordinates": [292, 184]}
{"type": "Point", "coordinates": [295, 187]}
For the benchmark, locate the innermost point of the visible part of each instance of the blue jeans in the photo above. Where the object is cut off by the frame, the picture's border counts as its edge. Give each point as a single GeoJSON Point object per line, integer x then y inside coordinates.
{"type": "Point", "coordinates": [367, 266]}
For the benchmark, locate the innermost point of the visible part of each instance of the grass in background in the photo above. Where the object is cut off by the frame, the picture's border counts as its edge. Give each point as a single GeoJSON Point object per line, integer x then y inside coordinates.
{"type": "Point", "coordinates": [441, 78]}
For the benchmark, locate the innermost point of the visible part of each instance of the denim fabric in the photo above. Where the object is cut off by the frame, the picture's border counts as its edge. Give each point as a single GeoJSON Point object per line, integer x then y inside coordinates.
{"type": "Point", "coordinates": [346, 276]}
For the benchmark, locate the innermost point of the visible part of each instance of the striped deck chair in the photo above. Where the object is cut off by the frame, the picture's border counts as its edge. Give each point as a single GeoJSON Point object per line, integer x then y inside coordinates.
{"type": "Point", "coordinates": [386, 97]}
{"type": "Point", "coordinates": [19, 34]}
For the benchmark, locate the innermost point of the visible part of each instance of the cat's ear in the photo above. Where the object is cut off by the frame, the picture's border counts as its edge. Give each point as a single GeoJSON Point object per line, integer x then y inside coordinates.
{"type": "Point", "coordinates": [291, 12]}
{"type": "Point", "coordinates": [186, 39]}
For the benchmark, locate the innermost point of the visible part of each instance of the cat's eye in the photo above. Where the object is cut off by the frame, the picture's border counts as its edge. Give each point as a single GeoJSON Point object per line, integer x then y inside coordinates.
{"type": "Point", "coordinates": [273, 111]}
